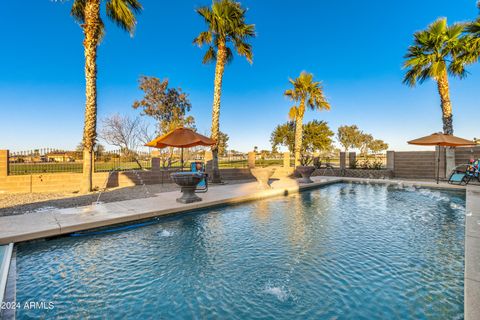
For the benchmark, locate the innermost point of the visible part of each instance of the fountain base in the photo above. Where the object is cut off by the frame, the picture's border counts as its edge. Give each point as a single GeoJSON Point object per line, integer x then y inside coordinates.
{"type": "Point", "coordinates": [188, 195]}
{"type": "Point", "coordinates": [188, 182]}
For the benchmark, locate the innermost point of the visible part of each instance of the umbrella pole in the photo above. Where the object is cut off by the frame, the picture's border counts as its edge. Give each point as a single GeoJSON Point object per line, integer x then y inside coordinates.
{"type": "Point", "coordinates": [438, 163]}
{"type": "Point", "coordinates": [182, 158]}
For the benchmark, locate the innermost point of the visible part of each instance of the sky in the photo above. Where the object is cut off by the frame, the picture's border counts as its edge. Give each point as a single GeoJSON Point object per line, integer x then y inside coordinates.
{"type": "Point", "coordinates": [355, 48]}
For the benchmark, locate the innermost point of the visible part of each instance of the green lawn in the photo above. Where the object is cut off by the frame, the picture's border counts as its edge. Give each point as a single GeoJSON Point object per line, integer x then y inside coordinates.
{"type": "Point", "coordinates": [55, 167]}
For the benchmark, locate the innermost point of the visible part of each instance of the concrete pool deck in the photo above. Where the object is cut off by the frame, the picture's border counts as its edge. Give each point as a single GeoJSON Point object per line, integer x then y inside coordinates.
{"type": "Point", "coordinates": [57, 222]}
{"type": "Point", "coordinates": [54, 222]}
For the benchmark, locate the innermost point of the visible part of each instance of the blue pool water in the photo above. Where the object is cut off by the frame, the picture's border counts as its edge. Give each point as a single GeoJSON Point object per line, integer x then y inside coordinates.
{"type": "Point", "coordinates": [345, 251]}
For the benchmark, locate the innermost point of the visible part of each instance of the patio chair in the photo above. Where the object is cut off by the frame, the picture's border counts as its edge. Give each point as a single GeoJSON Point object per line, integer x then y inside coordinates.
{"type": "Point", "coordinates": [462, 174]}
{"type": "Point", "coordinates": [202, 187]}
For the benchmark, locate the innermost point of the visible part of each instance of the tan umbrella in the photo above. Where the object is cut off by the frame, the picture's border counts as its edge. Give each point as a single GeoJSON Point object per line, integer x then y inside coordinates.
{"type": "Point", "coordinates": [441, 140]}
{"type": "Point", "coordinates": [181, 138]}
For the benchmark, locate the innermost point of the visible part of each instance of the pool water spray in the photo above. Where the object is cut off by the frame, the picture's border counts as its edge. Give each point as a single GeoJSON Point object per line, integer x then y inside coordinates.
{"type": "Point", "coordinates": [105, 186]}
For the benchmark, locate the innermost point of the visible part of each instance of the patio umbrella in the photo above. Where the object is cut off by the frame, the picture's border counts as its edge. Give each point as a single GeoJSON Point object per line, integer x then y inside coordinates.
{"type": "Point", "coordinates": [441, 140]}
{"type": "Point", "coordinates": [181, 138]}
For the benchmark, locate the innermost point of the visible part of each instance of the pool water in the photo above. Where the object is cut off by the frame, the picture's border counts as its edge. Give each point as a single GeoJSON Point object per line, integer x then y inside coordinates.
{"type": "Point", "coordinates": [344, 251]}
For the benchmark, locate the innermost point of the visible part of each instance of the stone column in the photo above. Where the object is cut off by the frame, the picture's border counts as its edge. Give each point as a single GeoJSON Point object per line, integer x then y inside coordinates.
{"type": "Point", "coordinates": [442, 165]}
{"type": "Point", "coordinates": [155, 164]}
{"type": "Point", "coordinates": [449, 161]}
{"type": "Point", "coordinates": [352, 158]}
{"type": "Point", "coordinates": [343, 161]}
{"type": "Point", "coordinates": [286, 159]}
{"type": "Point", "coordinates": [391, 160]}
{"type": "Point", "coordinates": [208, 158]}
{"type": "Point", "coordinates": [251, 159]}
{"type": "Point", "coordinates": [3, 163]}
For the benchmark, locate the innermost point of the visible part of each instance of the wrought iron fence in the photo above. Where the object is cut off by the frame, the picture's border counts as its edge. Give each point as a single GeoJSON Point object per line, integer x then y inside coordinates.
{"type": "Point", "coordinates": [50, 160]}
{"type": "Point", "coordinates": [122, 160]}
{"type": "Point", "coordinates": [239, 160]}
{"type": "Point", "coordinates": [46, 160]}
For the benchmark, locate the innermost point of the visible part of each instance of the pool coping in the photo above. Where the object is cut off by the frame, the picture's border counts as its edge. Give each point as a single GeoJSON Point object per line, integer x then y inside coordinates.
{"type": "Point", "coordinates": [64, 221]}
{"type": "Point", "coordinates": [4, 270]}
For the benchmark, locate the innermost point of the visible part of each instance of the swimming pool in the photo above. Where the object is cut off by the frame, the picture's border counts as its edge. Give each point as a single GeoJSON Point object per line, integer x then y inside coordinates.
{"type": "Point", "coordinates": [342, 251]}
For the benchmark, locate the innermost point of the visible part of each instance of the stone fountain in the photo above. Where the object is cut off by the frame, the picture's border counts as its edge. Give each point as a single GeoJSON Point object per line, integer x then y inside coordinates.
{"type": "Point", "coordinates": [263, 176]}
{"type": "Point", "coordinates": [188, 182]}
{"type": "Point", "coordinates": [306, 172]}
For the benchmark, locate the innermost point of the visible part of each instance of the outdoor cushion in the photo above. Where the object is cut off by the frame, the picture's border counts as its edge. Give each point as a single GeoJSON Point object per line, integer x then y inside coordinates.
{"type": "Point", "coordinates": [457, 177]}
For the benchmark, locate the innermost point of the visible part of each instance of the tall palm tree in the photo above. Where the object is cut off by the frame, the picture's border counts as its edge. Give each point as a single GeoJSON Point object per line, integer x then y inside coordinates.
{"type": "Point", "coordinates": [434, 55]}
{"type": "Point", "coordinates": [87, 13]}
{"type": "Point", "coordinates": [226, 24]}
{"type": "Point", "coordinates": [307, 93]}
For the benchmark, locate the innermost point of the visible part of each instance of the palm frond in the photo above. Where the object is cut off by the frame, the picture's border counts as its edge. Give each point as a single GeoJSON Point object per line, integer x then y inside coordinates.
{"type": "Point", "coordinates": [292, 113]}
{"type": "Point", "coordinates": [225, 20]}
{"type": "Point", "coordinates": [229, 55]}
{"type": "Point", "coordinates": [244, 49]}
{"type": "Point", "coordinates": [122, 13]}
{"type": "Point", "coordinates": [206, 13]}
{"type": "Point", "coordinates": [305, 89]}
{"type": "Point", "coordinates": [78, 11]}
{"type": "Point", "coordinates": [204, 37]}
{"type": "Point", "coordinates": [435, 51]}
{"type": "Point", "coordinates": [473, 27]}
{"type": "Point", "coordinates": [209, 56]}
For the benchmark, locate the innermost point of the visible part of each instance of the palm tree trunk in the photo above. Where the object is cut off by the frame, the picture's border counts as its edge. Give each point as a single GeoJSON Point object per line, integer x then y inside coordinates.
{"type": "Point", "coordinates": [299, 133]}
{"type": "Point", "coordinates": [444, 91]}
{"type": "Point", "coordinates": [217, 92]}
{"type": "Point", "coordinates": [91, 30]}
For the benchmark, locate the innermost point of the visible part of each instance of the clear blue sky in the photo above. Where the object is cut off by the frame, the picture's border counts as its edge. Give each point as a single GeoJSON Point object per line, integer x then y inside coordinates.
{"type": "Point", "coordinates": [354, 47]}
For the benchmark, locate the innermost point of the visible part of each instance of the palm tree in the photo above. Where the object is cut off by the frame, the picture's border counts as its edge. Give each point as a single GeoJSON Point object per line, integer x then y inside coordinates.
{"type": "Point", "coordinates": [87, 13]}
{"type": "Point", "coordinates": [226, 24]}
{"type": "Point", "coordinates": [306, 92]}
{"type": "Point", "coordinates": [434, 55]}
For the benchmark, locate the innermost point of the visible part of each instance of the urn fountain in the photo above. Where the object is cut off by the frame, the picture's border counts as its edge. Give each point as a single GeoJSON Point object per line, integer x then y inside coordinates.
{"type": "Point", "coordinates": [263, 176]}
{"type": "Point", "coordinates": [188, 182]}
{"type": "Point", "coordinates": [306, 172]}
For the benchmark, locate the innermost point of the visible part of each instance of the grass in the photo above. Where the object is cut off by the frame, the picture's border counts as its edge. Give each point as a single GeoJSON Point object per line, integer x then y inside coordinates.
{"type": "Point", "coordinates": [76, 167]}
{"type": "Point", "coordinates": [73, 167]}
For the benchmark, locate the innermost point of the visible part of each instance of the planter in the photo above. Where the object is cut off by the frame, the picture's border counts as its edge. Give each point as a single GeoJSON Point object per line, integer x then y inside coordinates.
{"type": "Point", "coordinates": [188, 182]}
{"type": "Point", "coordinates": [263, 176]}
{"type": "Point", "coordinates": [306, 172]}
